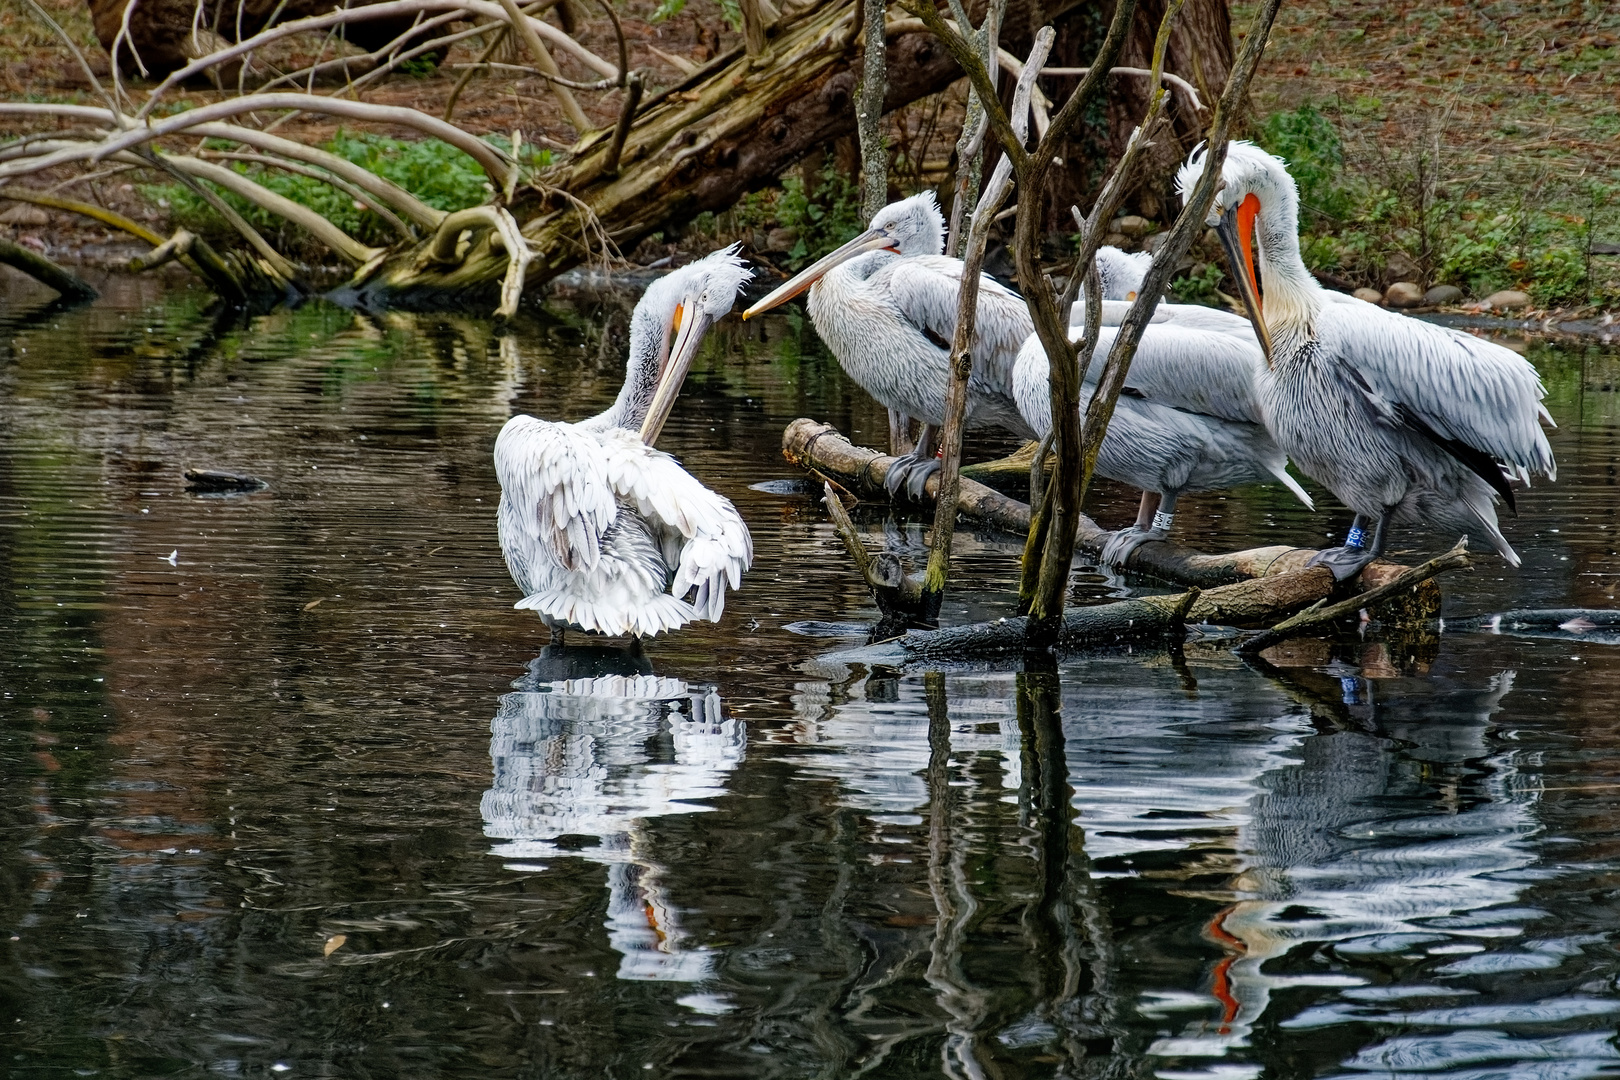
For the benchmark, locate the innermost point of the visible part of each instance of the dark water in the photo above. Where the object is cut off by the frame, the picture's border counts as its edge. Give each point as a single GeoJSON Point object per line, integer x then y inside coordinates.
{"type": "Point", "coordinates": [290, 789]}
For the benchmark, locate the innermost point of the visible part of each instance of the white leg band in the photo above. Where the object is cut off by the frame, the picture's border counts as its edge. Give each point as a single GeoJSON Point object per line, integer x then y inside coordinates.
{"type": "Point", "coordinates": [1161, 521]}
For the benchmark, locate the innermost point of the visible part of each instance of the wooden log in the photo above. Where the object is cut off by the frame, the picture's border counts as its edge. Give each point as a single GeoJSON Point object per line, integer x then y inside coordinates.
{"type": "Point", "coordinates": [44, 271]}
{"type": "Point", "coordinates": [1154, 620]}
{"type": "Point", "coordinates": [1255, 587]}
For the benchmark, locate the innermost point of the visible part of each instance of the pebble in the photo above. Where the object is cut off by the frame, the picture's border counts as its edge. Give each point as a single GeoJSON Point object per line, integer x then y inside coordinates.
{"type": "Point", "coordinates": [1132, 225]}
{"type": "Point", "coordinates": [23, 214]}
{"type": "Point", "coordinates": [1372, 296]}
{"type": "Point", "coordinates": [781, 239]}
{"type": "Point", "coordinates": [1114, 239]}
{"type": "Point", "coordinates": [1403, 294]}
{"type": "Point", "coordinates": [1155, 242]}
{"type": "Point", "coordinates": [1507, 299]}
{"type": "Point", "coordinates": [1443, 294]}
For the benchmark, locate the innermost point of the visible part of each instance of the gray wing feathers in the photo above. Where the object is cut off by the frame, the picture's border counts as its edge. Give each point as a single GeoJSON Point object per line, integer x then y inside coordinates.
{"type": "Point", "coordinates": [924, 289]}
{"type": "Point", "coordinates": [1465, 388]}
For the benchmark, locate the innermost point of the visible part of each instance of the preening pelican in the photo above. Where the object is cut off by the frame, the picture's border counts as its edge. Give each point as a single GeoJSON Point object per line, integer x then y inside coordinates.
{"type": "Point", "coordinates": [602, 532]}
{"type": "Point", "coordinates": [1404, 421]}
{"type": "Point", "coordinates": [885, 304]}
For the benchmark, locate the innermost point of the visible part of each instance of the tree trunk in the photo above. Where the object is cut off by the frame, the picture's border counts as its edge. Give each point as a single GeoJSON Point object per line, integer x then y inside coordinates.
{"type": "Point", "coordinates": [160, 30]}
{"type": "Point", "coordinates": [1200, 51]}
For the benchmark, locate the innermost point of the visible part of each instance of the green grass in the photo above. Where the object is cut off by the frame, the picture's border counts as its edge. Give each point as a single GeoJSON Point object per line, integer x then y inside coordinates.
{"type": "Point", "coordinates": [1404, 207]}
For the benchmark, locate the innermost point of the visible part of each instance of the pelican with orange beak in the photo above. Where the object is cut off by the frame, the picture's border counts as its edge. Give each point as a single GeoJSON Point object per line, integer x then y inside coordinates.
{"type": "Point", "coordinates": [602, 532]}
{"type": "Point", "coordinates": [885, 304]}
{"type": "Point", "coordinates": [1404, 421]}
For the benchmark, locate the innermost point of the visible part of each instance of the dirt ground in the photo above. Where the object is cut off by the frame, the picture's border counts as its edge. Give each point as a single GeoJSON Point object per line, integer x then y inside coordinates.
{"type": "Point", "coordinates": [1520, 98]}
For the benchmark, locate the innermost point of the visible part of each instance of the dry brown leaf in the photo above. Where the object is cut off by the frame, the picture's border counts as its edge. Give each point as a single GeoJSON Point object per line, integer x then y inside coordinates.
{"type": "Point", "coordinates": [307, 606]}
{"type": "Point", "coordinates": [335, 942]}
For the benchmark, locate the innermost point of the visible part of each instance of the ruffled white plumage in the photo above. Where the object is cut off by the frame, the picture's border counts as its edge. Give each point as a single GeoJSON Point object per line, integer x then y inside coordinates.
{"type": "Point", "coordinates": [608, 534]}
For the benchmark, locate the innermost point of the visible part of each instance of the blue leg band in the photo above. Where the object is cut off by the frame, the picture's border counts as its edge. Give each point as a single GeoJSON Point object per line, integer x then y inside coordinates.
{"type": "Point", "coordinates": [1357, 538]}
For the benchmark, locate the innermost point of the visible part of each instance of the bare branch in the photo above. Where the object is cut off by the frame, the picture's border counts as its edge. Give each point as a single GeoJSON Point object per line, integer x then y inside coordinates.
{"type": "Point", "coordinates": [78, 54]}
{"type": "Point", "coordinates": [524, 26]}
{"type": "Point", "coordinates": [353, 192]}
{"type": "Point", "coordinates": [317, 226]}
{"type": "Point", "coordinates": [962, 338]}
{"type": "Point", "coordinates": [478, 218]}
{"type": "Point", "coordinates": [486, 9]}
{"type": "Point", "coordinates": [377, 187]}
{"type": "Point", "coordinates": [494, 163]}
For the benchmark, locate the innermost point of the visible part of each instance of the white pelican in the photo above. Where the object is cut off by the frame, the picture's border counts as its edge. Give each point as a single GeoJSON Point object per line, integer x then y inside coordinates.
{"type": "Point", "coordinates": [1404, 421]}
{"type": "Point", "coordinates": [602, 532]}
{"type": "Point", "coordinates": [1164, 450]}
{"type": "Point", "coordinates": [885, 304]}
{"type": "Point", "coordinates": [1188, 418]}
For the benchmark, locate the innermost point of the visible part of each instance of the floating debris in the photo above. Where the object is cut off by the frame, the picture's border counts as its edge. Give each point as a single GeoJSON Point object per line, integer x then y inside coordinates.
{"type": "Point", "coordinates": [218, 480]}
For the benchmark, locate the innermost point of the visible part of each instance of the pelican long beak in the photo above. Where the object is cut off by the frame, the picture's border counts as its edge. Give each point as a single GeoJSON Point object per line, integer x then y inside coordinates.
{"type": "Point", "coordinates": [689, 333]}
{"type": "Point", "coordinates": [870, 240]}
{"type": "Point", "coordinates": [1236, 231]}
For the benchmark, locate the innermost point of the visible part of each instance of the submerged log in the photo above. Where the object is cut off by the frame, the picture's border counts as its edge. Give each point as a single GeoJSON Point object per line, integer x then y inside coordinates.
{"type": "Point", "coordinates": [45, 272]}
{"type": "Point", "coordinates": [1255, 587]}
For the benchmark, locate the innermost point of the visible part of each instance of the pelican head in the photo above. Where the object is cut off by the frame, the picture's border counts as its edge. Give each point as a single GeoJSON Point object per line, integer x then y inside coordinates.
{"type": "Point", "coordinates": [1255, 189]}
{"type": "Point", "coordinates": [1122, 272]}
{"type": "Point", "coordinates": [688, 302]}
{"type": "Point", "coordinates": [911, 226]}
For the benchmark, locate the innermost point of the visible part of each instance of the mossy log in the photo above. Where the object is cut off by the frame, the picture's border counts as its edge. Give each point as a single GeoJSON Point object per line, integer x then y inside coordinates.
{"type": "Point", "coordinates": [1148, 620]}
{"type": "Point", "coordinates": [45, 272]}
{"type": "Point", "coordinates": [1255, 587]}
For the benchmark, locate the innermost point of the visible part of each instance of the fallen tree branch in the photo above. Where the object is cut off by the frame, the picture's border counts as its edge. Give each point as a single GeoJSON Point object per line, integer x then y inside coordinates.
{"type": "Point", "coordinates": [44, 271]}
{"type": "Point", "coordinates": [1279, 580]}
{"type": "Point", "coordinates": [1455, 559]}
{"type": "Point", "coordinates": [1153, 620]}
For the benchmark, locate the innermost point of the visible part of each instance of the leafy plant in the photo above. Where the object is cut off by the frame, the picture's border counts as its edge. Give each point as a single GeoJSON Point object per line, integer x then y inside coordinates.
{"type": "Point", "coordinates": [823, 221]}
{"type": "Point", "coordinates": [729, 10]}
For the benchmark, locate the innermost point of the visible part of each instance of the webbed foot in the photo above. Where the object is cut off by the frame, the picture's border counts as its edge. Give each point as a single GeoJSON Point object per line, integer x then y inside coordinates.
{"type": "Point", "coordinates": [1124, 541]}
{"type": "Point", "coordinates": [1345, 562]}
{"type": "Point", "coordinates": [912, 473]}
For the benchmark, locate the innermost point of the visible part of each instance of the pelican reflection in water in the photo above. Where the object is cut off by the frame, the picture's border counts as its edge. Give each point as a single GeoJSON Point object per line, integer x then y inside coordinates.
{"type": "Point", "coordinates": [579, 751]}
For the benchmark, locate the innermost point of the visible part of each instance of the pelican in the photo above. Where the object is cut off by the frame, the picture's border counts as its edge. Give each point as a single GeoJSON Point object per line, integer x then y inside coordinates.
{"type": "Point", "coordinates": [1404, 421]}
{"type": "Point", "coordinates": [602, 532]}
{"type": "Point", "coordinates": [1188, 419]}
{"type": "Point", "coordinates": [885, 304]}
{"type": "Point", "coordinates": [1162, 449]}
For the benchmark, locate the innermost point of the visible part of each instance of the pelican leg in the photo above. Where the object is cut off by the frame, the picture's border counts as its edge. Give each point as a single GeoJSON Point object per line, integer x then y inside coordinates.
{"type": "Point", "coordinates": [1153, 520]}
{"type": "Point", "coordinates": [1350, 559]}
{"type": "Point", "coordinates": [914, 469]}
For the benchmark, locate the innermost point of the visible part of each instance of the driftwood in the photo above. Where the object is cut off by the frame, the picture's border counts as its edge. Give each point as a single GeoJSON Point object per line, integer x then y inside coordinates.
{"type": "Point", "coordinates": [44, 271]}
{"type": "Point", "coordinates": [1252, 588]}
{"type": "Point", "coordinates": [1149, 620]}
{"type": "Point", "coordinates": [1303, 622]}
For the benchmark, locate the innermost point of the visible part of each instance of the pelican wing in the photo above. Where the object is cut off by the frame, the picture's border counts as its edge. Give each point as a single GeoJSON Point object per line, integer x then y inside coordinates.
{"type": "Point", "coordinates": [1469, 394]}
{"type": "Point", "coordinates": [1191, 369]}
{"type": "Point", "coordinates": [924, 289]}
{"type": "Point", "coordinates": [555, 482]}
{"type": "Point", "coordinates": [703, 536]}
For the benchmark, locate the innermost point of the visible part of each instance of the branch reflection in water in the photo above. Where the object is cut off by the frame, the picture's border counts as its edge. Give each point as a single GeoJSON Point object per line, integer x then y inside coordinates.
{"type": "Point", "coordinates": [1054, 818]}
{"type": "Point", "coordinates": [590, 745]}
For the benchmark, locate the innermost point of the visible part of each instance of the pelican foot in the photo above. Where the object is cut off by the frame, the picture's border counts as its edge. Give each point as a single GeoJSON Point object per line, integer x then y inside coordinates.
{"type": "Point", "coordinates": [912, 473]}
{"type": "Point", "coordinates": [1124, 541]}
{"type": "Point", "coordinates": [1345, 562]}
